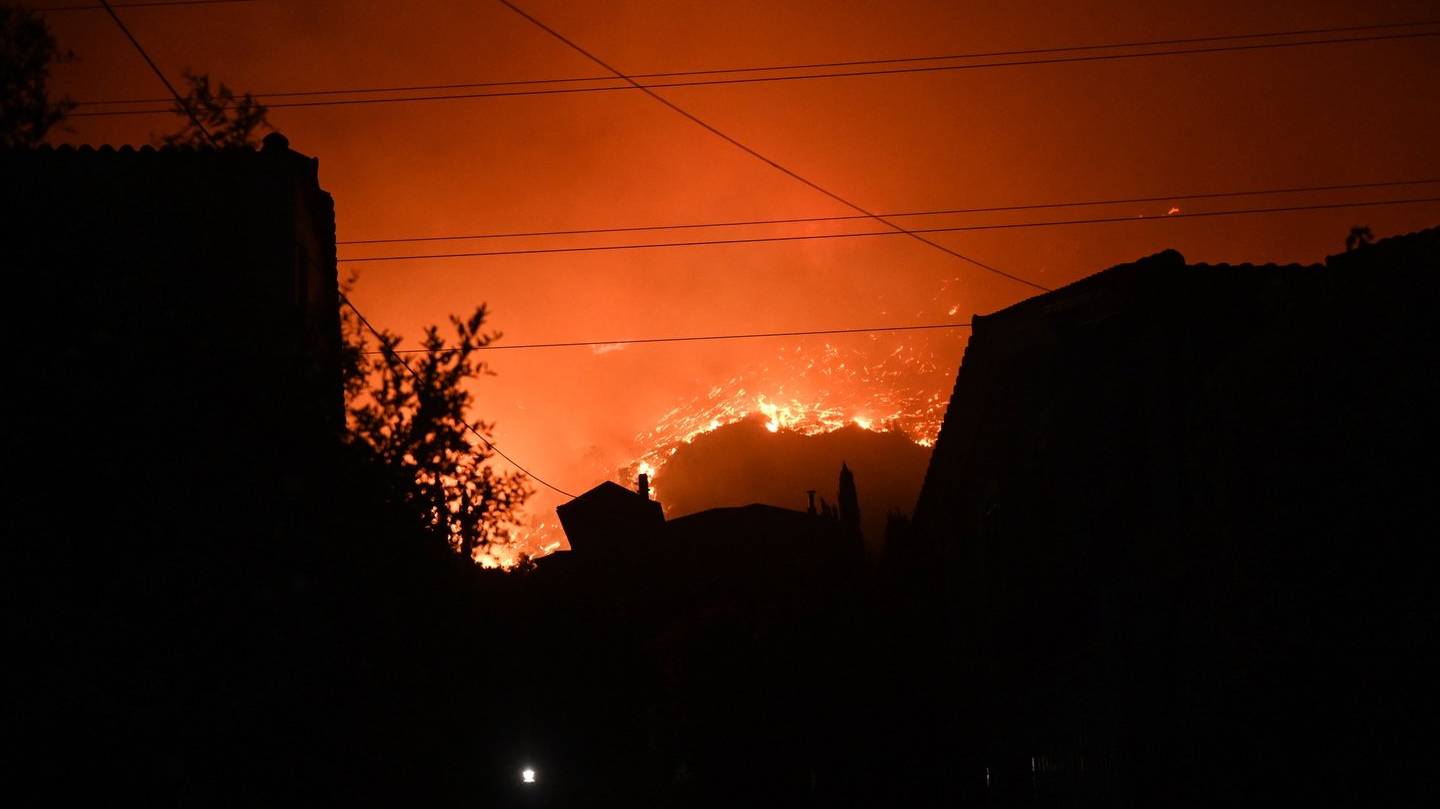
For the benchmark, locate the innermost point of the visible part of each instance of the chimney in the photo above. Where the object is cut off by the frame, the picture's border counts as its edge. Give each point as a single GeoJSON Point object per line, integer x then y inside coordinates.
{"type": "Point", "coordinates": [811, 510]}
{"type": "Point", "coordinates": [643, 487]}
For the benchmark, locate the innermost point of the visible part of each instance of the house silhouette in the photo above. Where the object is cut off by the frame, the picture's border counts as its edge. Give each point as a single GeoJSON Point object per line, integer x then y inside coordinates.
{"type": "Point", "coordinates": [611, 521]}
{"type": "Point", "coordinates": [182, 408]}
{"type": "Point", "coordinates": [188, 302]}
{"type": "Point", "coordinates": [668, 626]}
{"type": "Point", "coordinates": [1184, 537]}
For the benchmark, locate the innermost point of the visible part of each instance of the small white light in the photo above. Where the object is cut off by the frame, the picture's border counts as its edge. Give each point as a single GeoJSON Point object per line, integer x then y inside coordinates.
{"type": "Point", "coordinates": [527, 775]}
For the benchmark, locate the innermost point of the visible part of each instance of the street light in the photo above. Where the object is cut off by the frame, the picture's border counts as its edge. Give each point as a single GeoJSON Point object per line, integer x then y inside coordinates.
{"type": "Point", "coordinates": [527, 776]}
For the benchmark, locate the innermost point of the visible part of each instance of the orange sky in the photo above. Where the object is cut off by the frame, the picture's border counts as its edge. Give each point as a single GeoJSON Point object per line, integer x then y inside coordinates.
{"type": "Point", "coordinates": [1260, 119]}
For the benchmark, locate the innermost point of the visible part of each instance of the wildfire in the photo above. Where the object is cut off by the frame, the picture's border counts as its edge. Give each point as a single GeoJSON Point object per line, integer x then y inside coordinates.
{"type": "Point", "coordinates": [646, 469]}
{"type": "Point", "coordinates": [533, 539]}
{"type": "Point", "coordinates": [884, 383]}
{"type": "Point", "coordinates": [812, 391]}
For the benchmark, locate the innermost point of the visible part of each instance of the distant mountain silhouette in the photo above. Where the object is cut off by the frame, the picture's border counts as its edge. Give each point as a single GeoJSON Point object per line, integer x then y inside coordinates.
{"type": "Point", "coordinates": [745, 463]}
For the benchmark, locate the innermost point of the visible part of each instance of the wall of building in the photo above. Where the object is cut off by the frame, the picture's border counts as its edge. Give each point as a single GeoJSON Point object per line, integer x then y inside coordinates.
{"type": "Point", "coordinates": [1173, 518]}
{"type": "Point", "coordinates": [180, 318]}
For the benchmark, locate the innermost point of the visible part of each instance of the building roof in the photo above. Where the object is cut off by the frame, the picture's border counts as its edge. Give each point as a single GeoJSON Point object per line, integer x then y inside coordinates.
{"type": "Point", "coordinates": [609, 517]}
{"type": "Point", "coordinates": [1159, 317]}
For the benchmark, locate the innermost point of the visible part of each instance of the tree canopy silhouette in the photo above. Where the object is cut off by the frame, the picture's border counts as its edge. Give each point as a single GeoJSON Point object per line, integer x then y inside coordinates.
{"type": "Point", "coordinates": [27, 50]}
{"type": "Point", "coordinates": [1359, 236]}
{"type": "Point", "coordinates": [229, 119]}
{"type": "Point", "coordinates": [415, 425]}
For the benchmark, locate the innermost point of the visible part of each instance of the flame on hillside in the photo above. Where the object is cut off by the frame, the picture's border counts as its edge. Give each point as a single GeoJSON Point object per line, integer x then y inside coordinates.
{"type": "Point", "coordinates": [812, 390]}
{"type": "Point", "coordinates": [883, 382]}
{"type": "Point", "coordinates": [531, 540]}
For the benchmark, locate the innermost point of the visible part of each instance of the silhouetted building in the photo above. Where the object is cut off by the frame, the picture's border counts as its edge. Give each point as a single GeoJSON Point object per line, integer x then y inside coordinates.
{"type": "Point", "coordinates": [1185, 536]}
{"type": "Point", "coordinates": [187, 301]}
{"type": "Point", "coordinates": [182, 408]}
{"type": "Point", "coordinates": [756, 542]}
{"type": "Point", "coordinates": [611, 521]}
{"type": "Point", "coordinates": [676, 624]}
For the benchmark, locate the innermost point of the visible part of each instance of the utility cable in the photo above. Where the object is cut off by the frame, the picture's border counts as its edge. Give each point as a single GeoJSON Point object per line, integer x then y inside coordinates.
{"type": "Point", "coordinates": [488, 443]}
{"type": "Point", "coordinates": [896, 215]}
{"type": "Point", "coordinates": [155, 4]}
{"type": "Point", "coordinates": [757, 155]}
{"type": "Point", "coordinates": [695, 338]}
{"type": "Point", "coordinates": [874, 233]}
{"type": "Point", "coordinates": [151, 62]}
{"type": "Point", "coordinates": [813, 66]}
{"type": "Point", "coordinates": [771, 79]}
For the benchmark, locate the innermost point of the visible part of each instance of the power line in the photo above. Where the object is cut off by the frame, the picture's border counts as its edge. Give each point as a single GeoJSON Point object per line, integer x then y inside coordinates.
{"type": "Point", "coordinates": [943, 212]}
{"type": "Point", "coordinates": [757, 155]}
{"type": "Point", "coordinates": [488, 443]}
{"type": "Point", "coordinates": [973, 55]}
{"type": "Point", "coordinates": [693, 338]}
{"type": "Point", "coordinates": [811, 66]}
{"type": "Point", "coordinates": [151, 62]}
{"type": "Point", "coordinates": [873, 233]}
{"type": "Point", "coordinates": [155, 4]}
{"type": "Point", "coordinates": [761, 80]}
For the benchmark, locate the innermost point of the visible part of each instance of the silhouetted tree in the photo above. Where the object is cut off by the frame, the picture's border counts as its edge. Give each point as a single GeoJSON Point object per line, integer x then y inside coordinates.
{"type": "Point", "coordinates": [27, 50]}
{"type": "Point", "coordinates": [230, 120]}
{"type": "Point", "coordinates": [849, 504]}
{"type": "Point", "coordinates": [1358, 237]}
{"type": "Point", "coordinates": [415, 425]}
{"type": "Point", "coordinates": [897, 534]}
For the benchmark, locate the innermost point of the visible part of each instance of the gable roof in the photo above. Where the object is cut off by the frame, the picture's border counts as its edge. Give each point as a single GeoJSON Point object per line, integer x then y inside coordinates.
{"type": "Point", "coordinates": [611, 514]}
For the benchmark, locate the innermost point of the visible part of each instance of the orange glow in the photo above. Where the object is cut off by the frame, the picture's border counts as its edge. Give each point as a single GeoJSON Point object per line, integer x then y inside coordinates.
{"type": "Point", "coordinates": [812, 392]}
{"type": "Point", "coordinates": [923, 141]}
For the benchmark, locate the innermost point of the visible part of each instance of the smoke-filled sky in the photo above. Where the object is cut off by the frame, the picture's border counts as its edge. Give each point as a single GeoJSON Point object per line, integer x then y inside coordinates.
{"type": "Point", "coordinates": [1013, 135]}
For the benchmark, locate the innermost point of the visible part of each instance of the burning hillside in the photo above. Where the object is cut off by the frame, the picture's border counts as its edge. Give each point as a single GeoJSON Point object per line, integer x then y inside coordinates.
{"type": "Point", "coordinates": [882, 396]}
{"type": "Point", "coordinates": [745, 463]}
{"type": "Point", "coordinates": [888, 383]}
